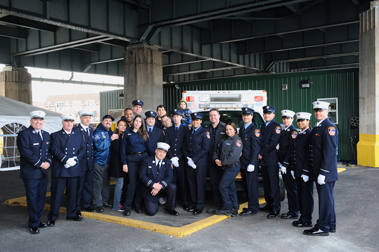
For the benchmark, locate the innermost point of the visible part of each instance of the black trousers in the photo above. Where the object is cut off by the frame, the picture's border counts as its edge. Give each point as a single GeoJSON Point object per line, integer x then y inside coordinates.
{"type": "Point", "coordinates": [270, 175]}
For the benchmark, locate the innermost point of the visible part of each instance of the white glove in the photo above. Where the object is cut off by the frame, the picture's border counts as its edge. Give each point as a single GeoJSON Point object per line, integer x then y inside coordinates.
{"type": "Point", "coordinates": [175, 161]}
{"type": "Point", "coordinates": [305, 177]}
{"type": "Point", "coordinates": [67, 166]}
{"type": "Point", "coordinates": [250, 168]}
{"type": "Point", "coordinates": [321, 179]}
{"type": "Point", "coordinates": [71, 161]}
{"type": "Point", "coordinates": [283, 169]}
{"type": "Point", "coordinates": [190, 162]}
{"type": "Point", "coordinates": [293, 174]}
{"type": "Point", "coordinates": [194, 166]}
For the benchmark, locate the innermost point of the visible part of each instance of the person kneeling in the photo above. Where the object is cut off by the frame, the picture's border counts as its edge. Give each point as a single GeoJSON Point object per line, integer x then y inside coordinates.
{"type": "Point", "coordinates": [156, 175]}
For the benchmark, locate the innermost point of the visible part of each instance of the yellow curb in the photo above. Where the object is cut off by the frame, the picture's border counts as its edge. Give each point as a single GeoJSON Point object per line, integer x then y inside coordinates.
{"type": "Point", "coordinates": [339, 169]}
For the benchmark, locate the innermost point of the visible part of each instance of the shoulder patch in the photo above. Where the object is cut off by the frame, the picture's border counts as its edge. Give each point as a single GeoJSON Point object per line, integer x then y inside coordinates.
{"type": "Point", "coordinates": [238, 143]}
{"type": "Point", "coordinates": [294, 134]}
{"type": "Point", "coordinates": [257, 133]}
{"type": "Point", "coordinates": [278, 129]}
{"type": "Point", "coordinates": [208, 135]}
{"type": "Point", "coordinates": [332, 131]}
{"type": "Point", "coordinates": [97, 137]}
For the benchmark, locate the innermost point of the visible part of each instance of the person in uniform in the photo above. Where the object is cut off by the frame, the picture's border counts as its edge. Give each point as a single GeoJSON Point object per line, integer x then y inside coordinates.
{"type": "Point", "coordinates": [195, 147]}
{"type": "Point", "coordinates": [135, 147]}
{"type": "Point", "coordinates": [323, 168]}
{"type": "Point", "coordinates": [217, 131]}
{"type": "Point", "coordinates": [174, 136]}
{"type": "Point", "coordinates": [227, 157]}
{"type": "Point", "coordinates": [103, 137]}
{"type": "Point", "coordinates": [33, 144]}
{"type": "Point", "coordinates": [137, 107]}
{"type": "Point", "coordinates": [68, 148]}
{"type": "Point", "coordinates": [287, 138]}
{"type": "Point", "coordinates": [270, 132]}
{"type": "Point", "coordinates": [250, 136]}
{"type": "Point", "coordinates": [166, 122]}
{"type": "Point", "coordinates": [155, 133]}
{"type": "Point", "coordinates": [85, 188]}
{"type": "Point", "coordinates": [128, 117]}
{"type": "Point", "coordinates": [161, 111]}
{"type": "Point", "coordinates": [300, 168]}
{"type": "Point", "coordinates": [156, 175]}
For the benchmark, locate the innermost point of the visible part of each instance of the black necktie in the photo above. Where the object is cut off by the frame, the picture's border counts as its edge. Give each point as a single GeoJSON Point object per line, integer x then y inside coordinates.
{"type": "Point", "coordinates": [87, 130]}
{"type": "Point", "coordinates": [149, 131]}
{"type": "Point", "coordinates": [158, 166]}
{"type": "Point", "coordinates": [40, 134]}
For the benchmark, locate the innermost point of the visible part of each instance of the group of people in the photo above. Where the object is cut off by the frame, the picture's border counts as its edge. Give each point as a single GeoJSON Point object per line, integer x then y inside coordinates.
{"type": "Point", "coordinates": [161, 159]}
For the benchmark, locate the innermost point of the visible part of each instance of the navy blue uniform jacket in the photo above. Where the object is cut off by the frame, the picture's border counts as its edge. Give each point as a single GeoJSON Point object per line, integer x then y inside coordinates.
{"type": "Point", "coordinates": [156, 136]}
{"type": "Point", "coordinates": [251, 139]}
{"type": "Point", "coordinates": [196, 146]}
{"type": "Point", "coordinates": [148, 175]}
{"type": "Point", "coordinates": [287, 138]}
{"type": "Point", "coordinates": [270, 138]}
{"type": "Point", "coordinates": [323, 151]}
{"type": "Point", "coordinates": [33, 152]}
{"type": "Point", "coordinates": [64, 147]}
{"type": "Point", "coordinates": [87, 161]}
{"type": "Point", "coordinates": [176, 141]}
{"type": "Point", "coordinates": [300, 154]}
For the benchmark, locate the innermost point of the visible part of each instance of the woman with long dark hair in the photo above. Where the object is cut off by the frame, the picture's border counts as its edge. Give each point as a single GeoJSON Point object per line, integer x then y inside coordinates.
{"type": "Point", "coordinates": [134, 148]}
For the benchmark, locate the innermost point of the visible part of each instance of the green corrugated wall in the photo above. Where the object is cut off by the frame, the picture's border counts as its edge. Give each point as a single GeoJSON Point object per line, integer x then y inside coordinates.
{"type": "Point", "coordinates": [342, 84]}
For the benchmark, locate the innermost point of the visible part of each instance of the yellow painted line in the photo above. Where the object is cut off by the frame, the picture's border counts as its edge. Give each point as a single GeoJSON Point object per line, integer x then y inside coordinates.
{"type": "Point", "coordinates": [340, 169]}
{"type": "Point", "coordinates": [173, 231]}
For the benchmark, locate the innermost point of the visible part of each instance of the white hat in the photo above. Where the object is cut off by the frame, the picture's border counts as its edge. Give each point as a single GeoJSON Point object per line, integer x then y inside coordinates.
{"type": "Point", "coordinates": [303, 116]}
{"type": "Point", "coordinates": [287, 113]}
{"type": "Point", "coordinates": [68, 117]}
{"type": "Point", "coordinates": [320, 105]}
{"type": "Point", "coordinates": [163, 146]}
{"type": "Point", "coordinates": [85, 112]}
{"type": "Point", "coordinates": [37, 114]}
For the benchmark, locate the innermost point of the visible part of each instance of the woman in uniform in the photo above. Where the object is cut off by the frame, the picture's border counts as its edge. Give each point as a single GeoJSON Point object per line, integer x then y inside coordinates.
{"type": "Point", "coordinates": [135, 147]}
{"type": "Point", "coordinates": [227, 158]}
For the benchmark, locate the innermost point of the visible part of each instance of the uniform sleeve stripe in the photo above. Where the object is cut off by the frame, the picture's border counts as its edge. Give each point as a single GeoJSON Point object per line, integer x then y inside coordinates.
{"type": "Point", "coordinates": [165, 184]}
{"type": "Point", "coordinates": [148, 183]}
{"type": "Point", "coordinates": [324, 170]}
{"type": "Point", "coordinates": [306, 170]}
{"type": "Point", "coordinates": [286, 163]}
{"type": "Point", "coordinates": [37, 162]}
{"type": "Point", "coordinates": [63, 158]}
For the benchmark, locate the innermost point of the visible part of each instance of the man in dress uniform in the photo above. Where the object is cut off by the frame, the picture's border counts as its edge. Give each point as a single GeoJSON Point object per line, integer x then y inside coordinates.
{"type": "Point", "coordinates": [68, 149]}
{"type": "Point", "coordinates": [250, 135]}
{"type": "Point", "coordinates": [156, 175]}
{"type": "Point", "coordinates": [195, 147]}
{"type": "Point", "coordinates": [323, 168]}
{"type": "Point", "coordinates": [33, 144]}
{"type": "Point", "coordinates": [174, 136]}
{"type": "Point", "coordinates": [155, 133]}
{"type": "Point", "coordinates": [166, 122]}
{"type": "Point", "coordinates": [286, 141]}
{"type": "Point", "coordinates": [137, 107]}
{"type": "Point", "coordinates": [86, 177]}
{"type": "Point", "coordinates": [161, 111]}
{"type": "Point", "coordinates": [270, 132]}
{"type": "Point", "coordinates": [217, 131]}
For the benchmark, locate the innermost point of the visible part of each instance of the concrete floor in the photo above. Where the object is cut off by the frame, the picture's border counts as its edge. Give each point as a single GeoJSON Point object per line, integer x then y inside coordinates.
{"type": "Point", "coordinates": [357, 203]}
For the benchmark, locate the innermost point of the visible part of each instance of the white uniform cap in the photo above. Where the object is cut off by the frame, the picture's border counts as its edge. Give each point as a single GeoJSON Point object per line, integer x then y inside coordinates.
{"type": "Point", "coordinates": [68, 117]}
{"type": "Point", "coordinates": [320, 105]}
{"type": "Point", "coordinates": [163, 146]}
{"type": "Point", "coordinates": [85, 112]}
{"type": "Point", "coordinates": [287, 113]}
{"type": "Point", "coordinates": [37, 114]}
{"type": "Point", "coordinates": [303, 116]}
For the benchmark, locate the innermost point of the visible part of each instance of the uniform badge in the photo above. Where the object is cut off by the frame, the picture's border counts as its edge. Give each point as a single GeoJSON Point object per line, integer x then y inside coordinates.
{"type": "Point", "coordinates": [103, 134]}
{"type": "Point", "coordinates": [294, 134]}
{"type": "Point", "coordinates": [332, 131]}
{"type": "Point", "coordinates": [317, 134]}
{"type": "Point", "coordinates": [278, 129]}
{"type": "Point", "coordinates": [238, 143]}
{"type": "Point", "coordinates": [97, 137]}
{"type": "Point", "coordinates": [257, 133]}
{"type": "Point", "coordinates": [208, 135]}
{"type": "Point", "coordinates": [47, 142]}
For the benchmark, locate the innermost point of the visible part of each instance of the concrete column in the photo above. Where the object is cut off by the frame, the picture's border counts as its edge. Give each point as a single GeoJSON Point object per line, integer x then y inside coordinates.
{"type": "Point", "coordinates": [143, 76]}
{"type": "Point", "coordinates": [368, 145]}
{"type": "Point", "coordinates": [16, 83]}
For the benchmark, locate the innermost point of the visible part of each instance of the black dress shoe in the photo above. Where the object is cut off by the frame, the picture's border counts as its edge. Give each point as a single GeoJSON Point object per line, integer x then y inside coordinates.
{"type": "Point", "coordinates": [191, 209]}
{"type": "Point", "coordinates": [78, 213]}
{"type": "Point", "coordinates": [50, 223]}
{"type": "Point", "coordinates": [301, 224]}
{"type": "Point", "coordinates": [185, 207]}
{"type": "Point", "coordinates": [247, 212]}
{"type": "Point", "coordinates": [42, 225]}
{"type": "Point", "coordinates": [273, 215]}
{"type": "Point", "coordinates": [89, 209]}
{"type": "Point", "coordinates": [127, 212]}
{"type": "Point", "coordinates": [332, 230]}
{"type": "Point", "coordinates": [266, 208]}
{"type": "Point", "coordinates": [213, 210]}
{"type": "Point", "coordinates": [99, 209]}
{"type": "Point", "coordinates": [75, 218]}
{"type": "Point", "coordinates": [289, 216]}
{"type": "Point", "coordinates": [197, 211]}
{"type": "Point", "coordinates": [315, 232]}
{"type": "Point", "coordinates": [138, 210]}
{"type": "Point", "coordinates": [34, 230]}
{"type": "Point", "coordinates": [172, 212]}
{"type": "Point", "coordinates": [107, 205]}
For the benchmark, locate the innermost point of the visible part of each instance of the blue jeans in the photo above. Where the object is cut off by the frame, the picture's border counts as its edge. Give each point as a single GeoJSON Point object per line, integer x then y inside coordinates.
{"type": "Point", "coordinates": [117, 192]}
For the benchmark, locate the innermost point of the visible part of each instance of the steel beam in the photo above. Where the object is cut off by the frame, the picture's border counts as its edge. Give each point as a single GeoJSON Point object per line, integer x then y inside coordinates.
{"type": "Point", "coordinates": [14, 33]}
{"type": "Point", "coordinates": [40, 79]}
{"type": "Point", "coordinates": [202, 71]}
{"type": "Point", "coordinates": [319, 57]}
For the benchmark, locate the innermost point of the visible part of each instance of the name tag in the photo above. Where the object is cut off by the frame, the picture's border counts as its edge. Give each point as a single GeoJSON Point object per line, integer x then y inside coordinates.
{"type": "Point", "coordinates": [149, 167]}
{"type": "Point", "coordinates": [222, 133]}
{"type": "Point", "coordinates": [227, 143]}
{"type": "Point", "coordinates": [36, 144]}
